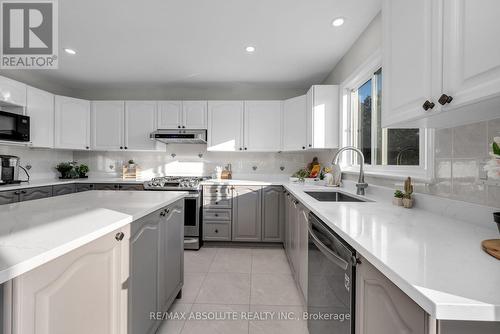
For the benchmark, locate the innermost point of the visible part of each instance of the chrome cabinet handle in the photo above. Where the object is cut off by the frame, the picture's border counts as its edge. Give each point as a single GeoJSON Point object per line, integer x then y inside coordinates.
{"type": "Point", "coordinates": [119, 236]}
{"type": "Point", "coordinates": [326, 251]}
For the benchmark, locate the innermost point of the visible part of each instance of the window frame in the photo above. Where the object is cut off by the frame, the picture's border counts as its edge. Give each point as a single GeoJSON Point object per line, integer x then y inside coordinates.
{"type": "Point", "coordinates": [424, 171]}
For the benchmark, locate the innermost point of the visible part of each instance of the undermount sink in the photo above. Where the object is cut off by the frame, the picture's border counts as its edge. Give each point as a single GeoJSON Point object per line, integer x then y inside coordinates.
{"type": "Point", "coordinates": [333, 196]}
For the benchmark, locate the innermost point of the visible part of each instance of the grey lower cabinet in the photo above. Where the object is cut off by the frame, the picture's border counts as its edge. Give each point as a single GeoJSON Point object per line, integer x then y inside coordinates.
{"type": "Point", "coordinates": [84, 187]}
{"type": "Point", "coordinates": [8, 197]}
{"type": "Point", "coordinates": [273, 212]}
{"type": "Point", "coordinates": [63, 189]}
{"type": "Point", "coordinates": [156, 266]}
{"type": "Point", "coordinates": [381, 307]}
{"type": "Point", "coordinates": [297, 241]}
{"type": "Point", "coordinates": [171, 258]}
{"type": "Point", "coordinates": [35, 193]}
{"type": "Point", "coordinates": [247, 216]}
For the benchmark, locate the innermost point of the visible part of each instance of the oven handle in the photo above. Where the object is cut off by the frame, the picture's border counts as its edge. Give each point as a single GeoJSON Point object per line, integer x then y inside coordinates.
{"type": "Point", "coordinates": [326, 251]}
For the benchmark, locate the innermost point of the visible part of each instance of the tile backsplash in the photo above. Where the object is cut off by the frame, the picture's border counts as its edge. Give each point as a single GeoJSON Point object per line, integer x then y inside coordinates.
{"type": "Point", "coordinates": [42, 161]}
{"type": "Point", "coordinates": [193, 160]}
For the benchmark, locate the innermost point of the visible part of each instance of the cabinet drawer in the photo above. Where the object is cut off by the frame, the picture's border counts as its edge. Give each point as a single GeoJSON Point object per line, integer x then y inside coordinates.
{"type": "Point", "coordinates": [224, 214]}
{"type": "Point", "coordinates": [63, 189]}
{"type": "Point", "coordinates": [216, 231]}
{"type": "Point", "coordinates": [216, 191]}
{"type": "Point", "coordinates": [217, 203]}
{"type": "Point", "coordinates": [84, 187]}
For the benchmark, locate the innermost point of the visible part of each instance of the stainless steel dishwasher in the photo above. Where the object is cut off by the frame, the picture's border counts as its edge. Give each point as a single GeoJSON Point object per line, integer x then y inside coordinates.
{"type": "Point", "coordinates": [331, 281]}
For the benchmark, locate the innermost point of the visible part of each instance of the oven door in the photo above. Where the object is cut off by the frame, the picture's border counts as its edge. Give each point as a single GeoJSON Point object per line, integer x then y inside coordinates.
{"type": "Point", "coordinates": [192, 207]}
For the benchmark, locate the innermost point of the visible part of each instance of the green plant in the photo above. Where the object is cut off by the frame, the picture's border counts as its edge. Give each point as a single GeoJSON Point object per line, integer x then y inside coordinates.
{"type": "Point", "coordinates": [398, 194]}
{"type": "Point", "coordinates": [82, 169]}
{"type": "Point", "coordinates": [131, 162]}
{"type": "Point", "coordinates": [66, 169]}
{"type": "Point", "coordinates": [408, 188]}
{"type": "Point", "coordinates": [301, 174]}
{"type": "Point", "coordinates": [496, 148]}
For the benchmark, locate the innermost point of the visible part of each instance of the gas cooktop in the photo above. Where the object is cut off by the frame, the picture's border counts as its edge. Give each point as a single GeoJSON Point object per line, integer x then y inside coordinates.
{"type": "Point", "coordinates": [175, 183]}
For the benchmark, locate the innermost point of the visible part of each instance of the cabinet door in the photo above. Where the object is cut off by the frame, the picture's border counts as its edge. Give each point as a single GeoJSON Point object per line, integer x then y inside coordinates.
{"type": "Point", "coordinates": [87, 281]}
{"type": "Point", "coordinates": [143, 288]}
{"type": "Point", "coordinates": [169, 114]}
{"type": "Point", "coordinates": [171, 259]}
{"type": "Point", "coordinates": [262, 122]}
{"type": "Point", "coordinates": [108, 124]}
{"type": "Point", "coordinates": [294, 237]}
{"type": "Point", "coordinates": [107, 186]}
{"type": "Point", "coordinates": [13, 92]}
{"type": "Point", "coordinates": [247, 215]}
{"type": "Point", "coordinates": [471, 62]}
{"type": "Point", "coordinates": [225, 126]}
{"type": "Point", "coordinates": [35, 193]}
{"type": "Point", "coordinates": [40, 109]}
{"type": "Point", "coordinates": [322, 117]}
{"type": "Point", "coordinates": [408, 60]}
{"type": "Point", "coordinates": [140, 121]}
{"type": "Point", "coordinates": [294, 124]}
{"type": "Point", "coordinates": [72, 123]}
{"type": "Point", "coordinates": [194, 114]}
{"type": "Point", "coordinates": [287, 225]}
{"type": "Point", "coordinates": [8, 197]}
{"type": "Point", "coordinates": [302, 249]}
{"type": "Point", "coordinates": [84, 187]}
{"type": "Point", "coordinates": [381, 307]}
{"type": "Point", "coordinates": [272, 214]}
{"type": "Point", "coordinates": [63, 189]}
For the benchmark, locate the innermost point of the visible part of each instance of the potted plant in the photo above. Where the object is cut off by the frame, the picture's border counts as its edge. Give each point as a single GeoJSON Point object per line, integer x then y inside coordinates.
{"type": "Point", "coordinates": [398, 198]}
{"type": "Point", "coordinates": [407, 196]}
{"type": "Point", "coordinates": [65, 168]}
{"type": "Point", "coordinates": [82, 171]}
{"type": "Point", "coordinates": [131, 164]}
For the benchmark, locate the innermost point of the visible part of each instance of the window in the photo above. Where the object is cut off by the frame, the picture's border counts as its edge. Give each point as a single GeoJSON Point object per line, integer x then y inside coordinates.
{"type": "Point", "coordinates": [400, 147]}
{"type": "Point", "coordinates": [391, 152]}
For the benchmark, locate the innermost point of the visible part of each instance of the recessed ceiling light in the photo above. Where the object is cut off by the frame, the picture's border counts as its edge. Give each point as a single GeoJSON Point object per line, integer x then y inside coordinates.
{"type": "Point", "coordinates": [338, 22]}
{"type": "Point", "coordinates": [70, 51]}
{"type": "Point", "coordinates": [250, 49]}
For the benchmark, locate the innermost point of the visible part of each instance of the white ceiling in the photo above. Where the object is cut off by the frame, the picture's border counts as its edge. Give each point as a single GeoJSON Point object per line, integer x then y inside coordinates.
{"type": "Point", "coordinates": [202, 42]}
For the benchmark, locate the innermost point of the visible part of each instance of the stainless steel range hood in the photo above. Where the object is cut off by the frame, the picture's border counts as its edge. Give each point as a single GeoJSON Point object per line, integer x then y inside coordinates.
{"type": "Point", "coordinates": [180, 136]}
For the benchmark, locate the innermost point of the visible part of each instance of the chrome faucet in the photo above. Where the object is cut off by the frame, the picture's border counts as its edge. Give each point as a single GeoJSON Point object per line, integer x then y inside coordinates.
{"type": "Point", "coordinates": [361, 185]}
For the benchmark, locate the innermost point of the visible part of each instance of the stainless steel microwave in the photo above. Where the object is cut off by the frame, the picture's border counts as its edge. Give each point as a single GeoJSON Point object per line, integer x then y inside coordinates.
{"type": "Point", "coordinates": [14, 127]}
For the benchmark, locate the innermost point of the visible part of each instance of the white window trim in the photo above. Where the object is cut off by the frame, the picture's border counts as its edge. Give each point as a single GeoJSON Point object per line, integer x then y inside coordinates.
{"type": "Point", "coordinates": [424, 172]}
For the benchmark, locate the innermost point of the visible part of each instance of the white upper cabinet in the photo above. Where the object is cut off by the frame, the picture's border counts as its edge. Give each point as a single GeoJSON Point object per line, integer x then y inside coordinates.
{"type": "Point", "coordinates": [322, 108]}
{"type": "Point", "coordinates": [262, 130]}
{"type": "Point", "coordinates": [169, 114]}
{"type": "Point", "coordinates": [408, 54]}
{"type": "Point", "coordinates": [108, 125]}
{"type": "Point", "coordinates": [12, 92]}
{"type": "Point", "coordinates": [140, 121]}
{"type": "Point", "coordinates": [182, 114]}
{"type": "Point", "coordinates": [72, 123]}
{"type": "Point", "coordinates": [194, 114]}
{"type": "Point", "coordinates": [471, 52]}
{"type": "Point", "coordinates": [294, 124]}
{"type": "Point", "coordinates": [225, 125]}
{"type": "Point", "coordinates": [440, 67]}
{"type": "Point", "coordinates": [40, 109]}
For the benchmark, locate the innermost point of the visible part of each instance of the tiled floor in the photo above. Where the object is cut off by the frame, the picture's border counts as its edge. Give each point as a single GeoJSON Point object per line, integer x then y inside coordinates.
{"type": "Point", "coordinates": [255, 282]}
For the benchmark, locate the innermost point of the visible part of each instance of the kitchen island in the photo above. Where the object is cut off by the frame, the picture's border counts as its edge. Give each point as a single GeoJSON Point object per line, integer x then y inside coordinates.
{"type": "Point", "coordinates": [91, 262]}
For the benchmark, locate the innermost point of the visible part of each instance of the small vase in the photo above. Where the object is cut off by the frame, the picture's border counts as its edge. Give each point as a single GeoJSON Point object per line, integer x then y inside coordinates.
{"type": "Point", "coordinates": [397, 201]}
{"type": "Point", "coordinates": [408, 203]}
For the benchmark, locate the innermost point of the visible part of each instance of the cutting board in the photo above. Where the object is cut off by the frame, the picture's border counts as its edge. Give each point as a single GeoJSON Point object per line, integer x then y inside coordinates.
{"type": "Point", "coordinates": [492, 247]}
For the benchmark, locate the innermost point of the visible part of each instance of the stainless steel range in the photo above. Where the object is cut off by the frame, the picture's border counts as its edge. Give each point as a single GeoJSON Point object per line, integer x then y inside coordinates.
{"type": "Point", "coordinates": [192, 206]}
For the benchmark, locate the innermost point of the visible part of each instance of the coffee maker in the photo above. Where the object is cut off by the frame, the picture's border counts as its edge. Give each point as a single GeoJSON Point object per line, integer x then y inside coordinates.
{"type": "Point", "coordinates": [9, 169]}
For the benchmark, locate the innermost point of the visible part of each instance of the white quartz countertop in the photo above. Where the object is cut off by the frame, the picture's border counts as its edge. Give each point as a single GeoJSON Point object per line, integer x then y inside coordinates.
{"type": "Point", "coordinates": [437, 261]}
{"type": "Point", "coordinates": [35, 232]}
{"type": "Point", "coordinates": [55, 182]}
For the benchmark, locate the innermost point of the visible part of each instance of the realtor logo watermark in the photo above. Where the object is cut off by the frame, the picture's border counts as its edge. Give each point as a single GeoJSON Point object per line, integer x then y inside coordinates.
{"type": "Point", "coordinates": [29, 34]}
